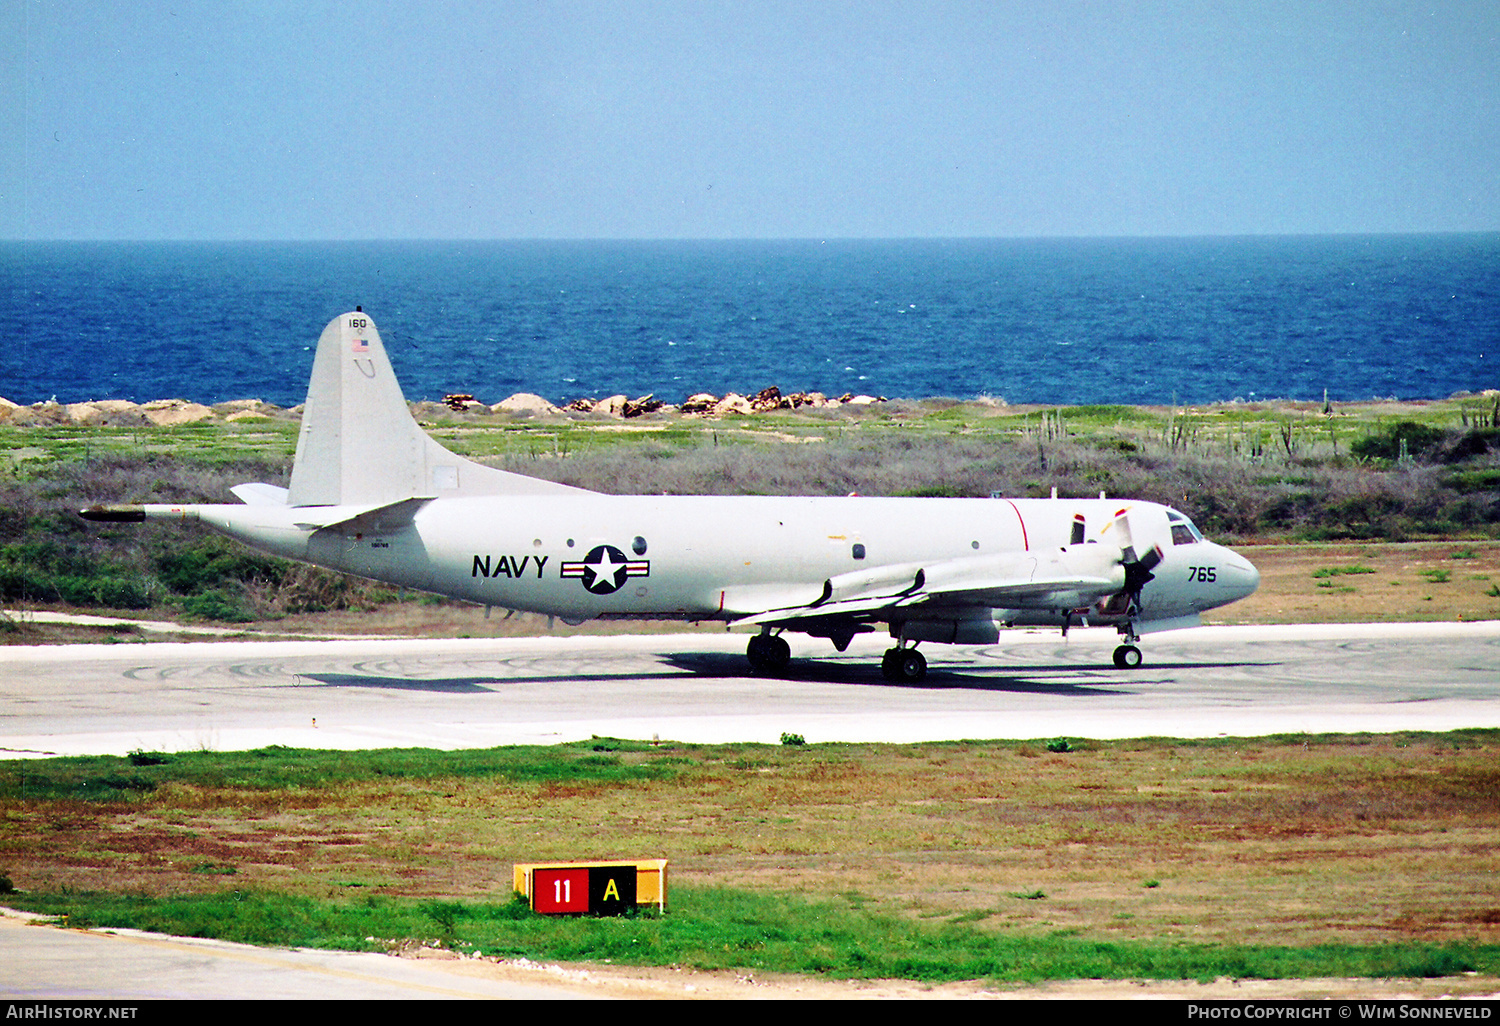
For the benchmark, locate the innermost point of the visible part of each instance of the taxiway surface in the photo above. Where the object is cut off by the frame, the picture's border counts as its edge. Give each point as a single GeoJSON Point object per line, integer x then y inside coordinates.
{"type": "Point", "coordinates": [466, 693]}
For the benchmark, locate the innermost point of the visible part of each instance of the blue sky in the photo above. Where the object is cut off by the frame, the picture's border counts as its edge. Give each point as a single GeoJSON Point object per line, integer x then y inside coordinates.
{"type": "Point", "coordinates": [215, 119]}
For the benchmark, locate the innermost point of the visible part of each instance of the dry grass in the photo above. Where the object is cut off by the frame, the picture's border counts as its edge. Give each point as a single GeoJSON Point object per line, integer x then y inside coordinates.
{"type": "Point", "coordinates": [1411, 581]}
{"type": "Point", "coordinates": [1256, 841]}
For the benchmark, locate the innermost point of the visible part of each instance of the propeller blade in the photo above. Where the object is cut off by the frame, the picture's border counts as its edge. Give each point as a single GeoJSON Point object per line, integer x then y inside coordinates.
{"type": "Point", "coordinates": [1138, 572]}
{"type": "Point", "coordinates": [1123, 537]}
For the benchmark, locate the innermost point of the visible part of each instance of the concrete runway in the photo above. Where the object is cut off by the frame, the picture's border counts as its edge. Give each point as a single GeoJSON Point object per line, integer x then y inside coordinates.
{"type": "Point", "coordinates": [114, 967]}
{"type": "Point", "coordinates": [695, 687]}
{"type": "Point", "coordinates": [691, 687]}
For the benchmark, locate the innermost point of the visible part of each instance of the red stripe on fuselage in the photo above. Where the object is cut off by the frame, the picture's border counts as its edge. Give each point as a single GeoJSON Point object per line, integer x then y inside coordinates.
{"type": "Point", "coordinates": [1025, 543]}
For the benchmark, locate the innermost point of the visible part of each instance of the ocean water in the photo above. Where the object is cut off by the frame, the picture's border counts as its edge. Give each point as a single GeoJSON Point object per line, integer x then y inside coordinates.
{"type": "Point", "coordinates": [1040, 321]}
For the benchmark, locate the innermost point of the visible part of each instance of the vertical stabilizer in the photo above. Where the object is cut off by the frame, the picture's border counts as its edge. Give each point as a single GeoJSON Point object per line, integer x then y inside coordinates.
{"type": "Point", "coordinates": [359, 444]}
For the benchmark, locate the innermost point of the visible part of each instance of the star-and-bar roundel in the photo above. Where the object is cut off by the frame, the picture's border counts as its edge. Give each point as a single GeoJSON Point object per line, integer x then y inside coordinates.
{"type": "Point", "coordinates": [606, 569]}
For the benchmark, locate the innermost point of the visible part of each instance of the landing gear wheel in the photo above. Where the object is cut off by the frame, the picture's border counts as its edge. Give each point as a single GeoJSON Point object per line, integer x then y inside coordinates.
{"type": "Point", "coordinates": [903, 665]}
{"type": "Point", "coordinates": [768, 653]}
{"type": "Point", "coordinates": [1127, 657]}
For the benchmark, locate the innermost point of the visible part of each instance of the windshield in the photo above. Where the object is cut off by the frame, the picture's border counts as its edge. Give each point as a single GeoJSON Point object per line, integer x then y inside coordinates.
{"type": "Point", "coordinates": [1183, 531]}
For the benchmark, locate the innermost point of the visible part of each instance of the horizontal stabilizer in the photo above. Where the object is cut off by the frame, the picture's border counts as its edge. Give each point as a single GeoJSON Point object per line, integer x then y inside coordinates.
{"type": "Point", "coordinates": [260, 494]}
{"type": "Point", "coordinates": [388, 516]}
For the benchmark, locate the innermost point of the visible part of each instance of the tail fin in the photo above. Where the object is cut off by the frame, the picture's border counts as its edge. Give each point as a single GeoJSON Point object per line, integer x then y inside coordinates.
{"type": "Point", "coordinates": [359, 444]}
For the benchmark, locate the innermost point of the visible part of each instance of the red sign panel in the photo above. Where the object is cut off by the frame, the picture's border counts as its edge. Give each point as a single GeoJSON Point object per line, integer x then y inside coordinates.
{"type": "Point", "coordinates": [560, 890]}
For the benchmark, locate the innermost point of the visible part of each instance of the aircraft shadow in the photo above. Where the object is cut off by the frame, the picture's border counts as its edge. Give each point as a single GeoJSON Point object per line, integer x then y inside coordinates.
{"type": "Point", "coordinates": [466, 685]}
{"type": "Point", "coordinates": [1030, 679]}
{"type": "Point", "coordinates": [1002, 679]}
{"type": "Point", "coordinates": [451, 686]}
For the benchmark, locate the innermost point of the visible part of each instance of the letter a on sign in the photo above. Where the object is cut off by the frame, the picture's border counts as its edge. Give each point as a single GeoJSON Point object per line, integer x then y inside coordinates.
{"type": "Point", "coordinates": [611, 890]}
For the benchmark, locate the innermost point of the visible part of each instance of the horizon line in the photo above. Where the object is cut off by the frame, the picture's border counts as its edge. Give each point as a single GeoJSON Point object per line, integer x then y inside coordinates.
{"type": "Point", "coordinates": [759, 238]}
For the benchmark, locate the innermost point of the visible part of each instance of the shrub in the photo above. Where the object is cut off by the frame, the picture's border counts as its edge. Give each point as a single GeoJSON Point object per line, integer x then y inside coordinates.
{"type": "Point", "coordinates": [215, 605]}
{"type": "Point", "coordinates": [1404, 438]}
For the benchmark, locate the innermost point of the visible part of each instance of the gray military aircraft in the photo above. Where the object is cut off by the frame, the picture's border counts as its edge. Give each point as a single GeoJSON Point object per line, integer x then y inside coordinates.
{"type": "Point", "coordinates": [372, 494]}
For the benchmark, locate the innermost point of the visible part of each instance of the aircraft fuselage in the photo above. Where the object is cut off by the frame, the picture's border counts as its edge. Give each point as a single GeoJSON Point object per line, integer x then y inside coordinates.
{"type": "Point", "coordinates": [676, 556]}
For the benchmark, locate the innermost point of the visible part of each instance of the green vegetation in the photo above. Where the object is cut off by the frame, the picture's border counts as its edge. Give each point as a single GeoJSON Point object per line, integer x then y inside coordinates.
{"type": "Point", "coordinates": [1263, 471]}
{"type": "Point", "coordinates": [1145, 858]}
{"type": "Point", "coordinates": [108, 778]}
{"type": "Point", "coordinates": [1342, 571]}
{"type": "Point", "coordinates": [1403, 440]}
{"type": "Point", "coordinates": [724, 928]}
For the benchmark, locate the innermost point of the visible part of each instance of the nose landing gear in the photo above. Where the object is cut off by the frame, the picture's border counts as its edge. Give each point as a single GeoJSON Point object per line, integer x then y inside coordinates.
{"type": "Point", "coordinates": [1127, 656]}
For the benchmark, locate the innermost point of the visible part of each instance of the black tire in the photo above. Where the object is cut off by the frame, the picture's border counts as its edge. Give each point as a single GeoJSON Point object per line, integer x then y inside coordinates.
{"type": "Point", "coordinates": [1127, 657]}
{"type": "Point", "coordinates": [888, 664]}
{"type": "Point", "coordinates": [756, 652]}
{"type": "Point", "coordinates": [768, 654]}
{"type": "Point", "coordinates": [909, 666]}
{"type": "Point", "coordinates": [778, 654]}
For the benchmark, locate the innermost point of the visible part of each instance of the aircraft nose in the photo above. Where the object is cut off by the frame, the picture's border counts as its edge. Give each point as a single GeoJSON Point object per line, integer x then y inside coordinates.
{"type": "Point", "coordinates": [1238, 575]}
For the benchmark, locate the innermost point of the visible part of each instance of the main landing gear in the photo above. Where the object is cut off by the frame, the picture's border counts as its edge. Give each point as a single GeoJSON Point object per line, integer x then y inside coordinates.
{"type": "Point", "coordinates": [903, 665]}
{"type": "Point", "coordinates": [768, 653]}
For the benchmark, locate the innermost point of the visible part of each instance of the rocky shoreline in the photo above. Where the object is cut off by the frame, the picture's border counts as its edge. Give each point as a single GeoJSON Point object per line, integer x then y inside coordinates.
{"type": "Point", "coordinates": [174, 412]}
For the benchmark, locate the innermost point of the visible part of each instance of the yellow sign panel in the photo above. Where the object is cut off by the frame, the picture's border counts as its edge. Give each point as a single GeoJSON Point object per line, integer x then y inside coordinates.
{"type": "Point", "coordinates": [650, 880]}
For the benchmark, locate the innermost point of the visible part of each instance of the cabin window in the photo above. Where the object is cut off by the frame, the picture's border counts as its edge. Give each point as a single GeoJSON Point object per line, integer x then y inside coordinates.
{"type": "Point", "coordinates": [859, 550]}
{"type": "Point", "coordinates": [638, 546]}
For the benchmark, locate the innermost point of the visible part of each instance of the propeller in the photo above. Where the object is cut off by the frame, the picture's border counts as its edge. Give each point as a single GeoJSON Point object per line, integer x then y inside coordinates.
{"type": "Point", "coordinates": [1137, 568]}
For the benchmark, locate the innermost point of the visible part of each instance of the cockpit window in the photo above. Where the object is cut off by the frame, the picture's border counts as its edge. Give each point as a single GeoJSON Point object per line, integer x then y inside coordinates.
{"type": "Point", "coordinates": [1183, 531]}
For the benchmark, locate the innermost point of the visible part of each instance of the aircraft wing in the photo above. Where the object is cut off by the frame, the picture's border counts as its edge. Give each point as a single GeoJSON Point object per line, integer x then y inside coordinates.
{"type": "Point", "coordinates": [1068, 578]}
